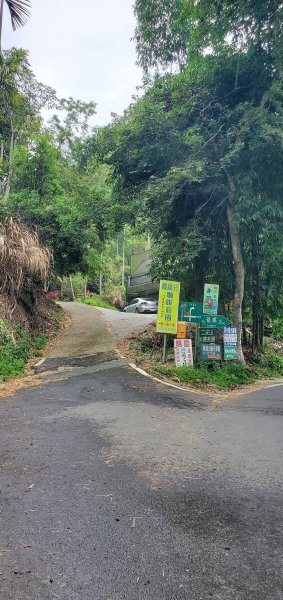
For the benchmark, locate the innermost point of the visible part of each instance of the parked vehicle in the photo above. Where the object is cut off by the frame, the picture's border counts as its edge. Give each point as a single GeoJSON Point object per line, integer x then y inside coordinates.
{"type": "Point", "coordinates": [142, 305]}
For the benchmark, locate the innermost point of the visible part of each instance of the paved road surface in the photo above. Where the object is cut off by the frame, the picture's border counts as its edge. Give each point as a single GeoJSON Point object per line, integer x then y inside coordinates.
{"type": "Point", "coordinates": [94, 330]}
{"type": "Point", "coordinates": [123, 324]}
{"type": "Point", "coordinates": [117, 487]}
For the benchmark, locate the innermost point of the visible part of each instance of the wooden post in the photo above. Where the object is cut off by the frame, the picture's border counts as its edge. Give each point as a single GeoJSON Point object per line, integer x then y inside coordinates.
{"type": "Point", "coordinates": [164, 347]}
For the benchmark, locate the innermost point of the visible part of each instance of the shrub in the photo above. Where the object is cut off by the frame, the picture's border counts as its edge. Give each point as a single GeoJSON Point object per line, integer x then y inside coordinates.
{"type": "Point", "coordinates": [57, 296]}
{"type": "Point", "coordinates": [95, 300]}
{"type": "Point", "coordinates": [15, 350]}
{"type": "Point", "coordinates": [116, 296]}
{"type": "Point", "coordinates": [54, 296]}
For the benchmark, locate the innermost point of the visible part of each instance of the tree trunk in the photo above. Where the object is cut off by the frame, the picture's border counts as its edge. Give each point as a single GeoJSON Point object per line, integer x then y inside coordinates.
{"type": "Point", "coordinates": [123, 258]}
{"type": "Point", "coordinates": [256, 294]}
{"type": "Point", "coordinates": [72, 289]}
{"type": "Point", "coordinates": [10, 169]}
{"type": "Point", "coordinates": [261, 332]}
{"type": "Point", "coordinates": [198, 279]}
{"type": "Point", "coordinates": [238, 265]}
{"type": "Point", "coordinates": [245, 337]}
{"type": "Point", "coordinates": [1, 22]}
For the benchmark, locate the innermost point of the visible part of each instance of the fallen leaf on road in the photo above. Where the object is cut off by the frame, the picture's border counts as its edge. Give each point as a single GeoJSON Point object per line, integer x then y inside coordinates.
{"type": "Point", "coordinates": [30, 487]}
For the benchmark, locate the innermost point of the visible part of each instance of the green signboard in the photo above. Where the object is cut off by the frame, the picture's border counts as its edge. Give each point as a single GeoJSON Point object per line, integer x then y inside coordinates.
{"type": "Point", "coordinates": [208, 339]}
{"type": "Point", "coordinates": [230, 353]}
{"type": "Point", "coordinates": [206, 331]}
{"type": "Point", "coordinates": [207, 336]}
{"type": "Point", "coordinates": [216, 322]}
{"type": "Point", "coordinates": [210, 299]}
{"type": "Point", "coordinates": [191, 312]}
{"type": "Point", "coordinates": [210, 352]}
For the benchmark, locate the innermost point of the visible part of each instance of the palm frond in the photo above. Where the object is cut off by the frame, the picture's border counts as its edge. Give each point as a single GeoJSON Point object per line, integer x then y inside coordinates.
{"type": "Point", "coordinates": [19, 11]}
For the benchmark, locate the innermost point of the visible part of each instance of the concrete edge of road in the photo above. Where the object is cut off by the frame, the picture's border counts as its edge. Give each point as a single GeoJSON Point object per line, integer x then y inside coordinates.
{"type": "Point", "coordinates": [124, 361]}
{"type": "Point", "coordinates": [157, 379]}
{"type": "Point", "coordinates": [221, 394]}
{"type": "Point", "coordinates": [75, 372]}
{"type": "Point", "coordinates": [172, 385]}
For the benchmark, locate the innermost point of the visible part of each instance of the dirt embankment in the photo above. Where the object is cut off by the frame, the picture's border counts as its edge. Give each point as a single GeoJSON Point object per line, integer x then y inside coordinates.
{"type": "Point", "coordinates": [40, 317]}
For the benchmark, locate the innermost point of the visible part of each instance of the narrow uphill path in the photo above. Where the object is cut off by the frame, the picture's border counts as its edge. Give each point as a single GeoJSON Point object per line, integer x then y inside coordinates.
{"type": "Point", "coordinates": [86, 335]}
{"type": "Point", "coordinates": [90, 338]}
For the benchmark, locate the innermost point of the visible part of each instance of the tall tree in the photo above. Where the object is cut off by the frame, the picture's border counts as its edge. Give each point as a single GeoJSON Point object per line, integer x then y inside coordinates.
{"type": "Point", "coordinates": [245, 39]}
{"type": "Point", "coordinates": [187, 157]}
{"type": "Point", "coordinates": [161, 34]}
{"type": "Point", "coordinates": [21, 99]}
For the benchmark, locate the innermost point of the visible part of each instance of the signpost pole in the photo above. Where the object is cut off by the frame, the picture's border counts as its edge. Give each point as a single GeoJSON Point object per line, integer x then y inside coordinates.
{"type": "Point", "coordinates": [196, 343]}
{"type": "Point", "coordinates": [164, 347]}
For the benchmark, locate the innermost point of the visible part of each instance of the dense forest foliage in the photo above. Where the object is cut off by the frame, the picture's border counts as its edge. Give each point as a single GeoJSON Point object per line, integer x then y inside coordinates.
{"type": "Point", "coordinates": [195, 163]}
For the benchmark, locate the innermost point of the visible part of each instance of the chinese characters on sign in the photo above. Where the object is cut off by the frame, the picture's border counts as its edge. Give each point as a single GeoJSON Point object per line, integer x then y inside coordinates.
{"type": "Point", "coordinates": [168, 304]}
{"type": "Point", "coordinates": [230, 343]}
{"type": "Point", "coordinates": [210, 299]}
{"type": "Point", "coordinates": [214, 322]}
{"type": "Point", "coordinates": [230, 336]}
{"type": "Point", "coordinates": [207, 336]}
{"type": "Point", "coordinates": [230, 353]}
{"type": "Point", "coordinates": [210, 352]}
{"type": "Point", "coordinates": [183, 353]}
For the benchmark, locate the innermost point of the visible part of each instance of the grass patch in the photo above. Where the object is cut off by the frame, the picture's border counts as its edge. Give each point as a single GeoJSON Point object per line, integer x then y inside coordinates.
{"type": "Point", "coordinates": [95, 300]}
{"type": "Point", "coordinates": [227, 377]}
{"type": "Point", "coordinates": [266, 365]}
{"type": "Point", "coordinates": [16, 350]}
{"type": "Point", "coordinates": [261, 365]}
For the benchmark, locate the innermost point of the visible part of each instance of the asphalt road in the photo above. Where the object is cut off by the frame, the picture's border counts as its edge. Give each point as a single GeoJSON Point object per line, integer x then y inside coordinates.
{"type": "Point", "coordinates": [114, 487]}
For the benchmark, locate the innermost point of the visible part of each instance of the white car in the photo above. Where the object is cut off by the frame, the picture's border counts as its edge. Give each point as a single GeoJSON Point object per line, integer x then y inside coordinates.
{"type": "Point", "coordinates": [142, 305]}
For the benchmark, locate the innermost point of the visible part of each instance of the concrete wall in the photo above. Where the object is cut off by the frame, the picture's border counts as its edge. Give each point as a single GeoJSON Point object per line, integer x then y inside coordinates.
{"type": "Point", "coordinates": [140, 282]}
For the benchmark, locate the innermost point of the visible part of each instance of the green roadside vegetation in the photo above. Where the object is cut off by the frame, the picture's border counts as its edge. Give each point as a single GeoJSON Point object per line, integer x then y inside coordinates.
{"type": "Point", "coordinates": [95, 300]}
{"type": "Point", "coordinates": [19, 345]}
{"type": "Point", "coordinates": [269, 366]}
{"type": "Point", "coordinates": [266, 364]}
{"type": "Point", "coordinates": [16, 351]}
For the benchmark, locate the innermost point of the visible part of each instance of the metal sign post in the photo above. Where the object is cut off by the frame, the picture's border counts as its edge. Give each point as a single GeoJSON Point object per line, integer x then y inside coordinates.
{"type": "Point", "coordinates": [196, 344]}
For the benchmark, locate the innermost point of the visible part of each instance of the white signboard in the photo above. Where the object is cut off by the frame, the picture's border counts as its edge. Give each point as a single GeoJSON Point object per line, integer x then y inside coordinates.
{"type": "Point", "coordinates": [183, 353]}
{"type": "Point", "coordinates": [230, 336]}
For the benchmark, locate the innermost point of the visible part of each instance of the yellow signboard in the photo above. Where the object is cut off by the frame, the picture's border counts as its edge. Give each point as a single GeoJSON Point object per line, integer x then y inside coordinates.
{"type": "Point", "coordinates": [168, 305]}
